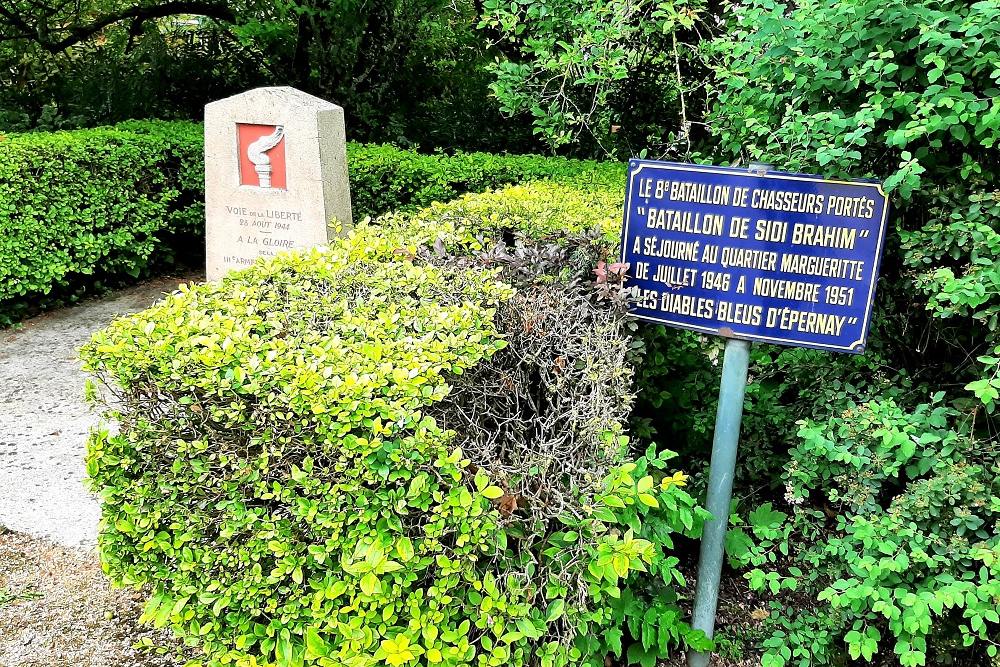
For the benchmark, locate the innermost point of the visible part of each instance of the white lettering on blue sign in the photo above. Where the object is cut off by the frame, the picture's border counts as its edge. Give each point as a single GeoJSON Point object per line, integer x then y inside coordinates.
{"type": "Point", "coordinates": [781, 258]}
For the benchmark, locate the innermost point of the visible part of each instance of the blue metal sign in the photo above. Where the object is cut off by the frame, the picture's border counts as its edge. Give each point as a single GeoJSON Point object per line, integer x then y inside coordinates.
{"type": "Point", "coordinates": [774, 257]}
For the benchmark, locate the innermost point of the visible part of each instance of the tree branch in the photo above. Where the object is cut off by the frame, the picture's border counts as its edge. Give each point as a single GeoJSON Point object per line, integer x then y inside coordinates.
{"type": "Point", "coordinates": [138, 15]}
{"type": "Point", "coordinates": [16, 20]}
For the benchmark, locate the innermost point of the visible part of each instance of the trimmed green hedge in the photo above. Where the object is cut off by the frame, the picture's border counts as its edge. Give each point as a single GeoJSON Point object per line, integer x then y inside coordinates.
{"type": "Point", "coordinates": [87, 209]}
{"type": "Point", "coordinates": [385, 178]}
{"type": "Point", "coordinates": [81, 210]}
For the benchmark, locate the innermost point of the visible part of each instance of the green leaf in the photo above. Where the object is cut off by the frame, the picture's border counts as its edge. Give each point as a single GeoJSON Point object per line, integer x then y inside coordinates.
{"type": "Point", "coordinates": [613, 639]}
{"type": "Point", "coordinates": [527, 628]}
{"type": "Point", "coordinates": [765, 517]}
{"type": "Point", "coordinates": [404, 547]}
{"type": "Point", "coordinates": [647, 499]}
{"type": "Point", "coordinates": [284, 652]}
{"type": "Point", "coordinates": [316, 646]}
{"type": "Point", "coordinates": [637, 655]}
{"type": "Point", "coordinates": [771, 659]}
{"type": "Point", "coordinates": [493, 492]}
{"type": "Point", "coordinates": [555, 610]}
{"type": "Point", "coordinates": [738, 544]}
{"type": "Point", "coordinates": [370, 584]}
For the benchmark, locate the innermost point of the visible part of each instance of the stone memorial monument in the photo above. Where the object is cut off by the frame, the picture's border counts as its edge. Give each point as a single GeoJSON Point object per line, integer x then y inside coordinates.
{"type": "Point", "coordinates": [275, 175]}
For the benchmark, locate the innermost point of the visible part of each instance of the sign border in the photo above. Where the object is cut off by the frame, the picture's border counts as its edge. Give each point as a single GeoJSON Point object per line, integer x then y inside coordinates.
{"type": "Point", "coordinates": [857, 347]}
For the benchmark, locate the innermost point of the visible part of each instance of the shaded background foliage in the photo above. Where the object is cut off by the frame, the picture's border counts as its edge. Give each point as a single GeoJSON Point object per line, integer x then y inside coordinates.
{"type": "Point", "coordinates": [589, 79]}
{"type": "Point", "coordinates": [407, 71]}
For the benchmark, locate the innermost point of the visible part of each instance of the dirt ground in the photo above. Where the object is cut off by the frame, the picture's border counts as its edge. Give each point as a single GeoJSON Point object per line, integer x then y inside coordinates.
{"type": "Point", "coordinates": [57, 609]}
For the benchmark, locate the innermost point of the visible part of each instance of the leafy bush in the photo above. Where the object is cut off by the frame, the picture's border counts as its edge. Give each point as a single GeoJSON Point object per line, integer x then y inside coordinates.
{"type": "Point", "coordinates": [837, 84]}
{"type": "Point", "coordinates": [538, 210]}
{"type": "Point", "coordinates": [304, 470]}
{"type": "Point", "coordinates": [608, 77]}
{"type": "Point", "coordinates": [913, 565]}
{"type": "Point", "coordinates": [955, 264]}
{"type": "Point", "coordinates": [909, 94]}
{"type": "Point", "coordinates": [384, 178]}
{"type": "Point", "coordinates": [91, 208]}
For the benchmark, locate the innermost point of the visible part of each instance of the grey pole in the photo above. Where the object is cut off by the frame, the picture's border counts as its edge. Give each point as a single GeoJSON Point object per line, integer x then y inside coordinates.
{"type": "Point", "coordinates": [720, 480]}
{"type": "Point", "coordinates": [720, 490]}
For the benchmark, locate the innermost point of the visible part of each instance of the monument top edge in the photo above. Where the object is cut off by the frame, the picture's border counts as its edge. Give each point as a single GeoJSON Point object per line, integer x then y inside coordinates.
{"type": "Point", "coordinates": [285, 95]}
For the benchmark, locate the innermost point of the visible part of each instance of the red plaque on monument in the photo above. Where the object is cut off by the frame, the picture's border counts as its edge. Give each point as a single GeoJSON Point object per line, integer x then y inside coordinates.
{"type": "Point", "coordinates": [262, 155]}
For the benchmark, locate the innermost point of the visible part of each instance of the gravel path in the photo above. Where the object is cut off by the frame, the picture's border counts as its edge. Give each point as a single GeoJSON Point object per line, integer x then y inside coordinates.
{"type": "Point", "coordinates": [44, 420]}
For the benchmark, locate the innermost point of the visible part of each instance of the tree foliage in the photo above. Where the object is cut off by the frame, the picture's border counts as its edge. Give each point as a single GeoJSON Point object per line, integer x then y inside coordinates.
{"type": "Point", "coordinates": [58, 26]}
{"type": "Point", "coordinates": [408, 71]}
{"type": "Point", "coordinates": [585, 71]}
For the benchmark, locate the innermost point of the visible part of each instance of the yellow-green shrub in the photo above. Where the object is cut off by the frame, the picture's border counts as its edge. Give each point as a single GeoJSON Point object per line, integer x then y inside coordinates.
{"type": "Point", "coordinates": [533, 210]}
{"type": "Point", "coordinates": [274, 478]}
{"type": "Point", "coordinates": [284, 478]}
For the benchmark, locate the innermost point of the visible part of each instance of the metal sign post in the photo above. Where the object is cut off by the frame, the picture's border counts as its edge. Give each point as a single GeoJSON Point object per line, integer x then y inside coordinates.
{"type": "Point", "coordinates": [720, 490]}
{"type": "Point", "coordinates": [751, 255]}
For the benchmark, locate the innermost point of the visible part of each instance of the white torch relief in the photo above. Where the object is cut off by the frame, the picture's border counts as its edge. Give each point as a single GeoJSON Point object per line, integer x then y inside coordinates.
{"type": "Point", "coordinates": [257, 153]}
